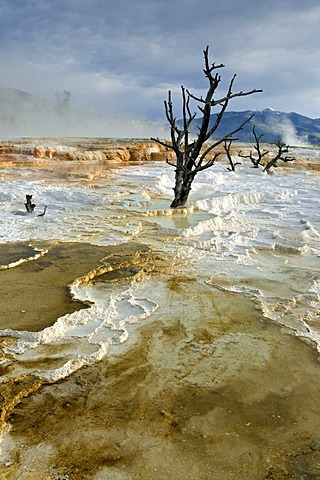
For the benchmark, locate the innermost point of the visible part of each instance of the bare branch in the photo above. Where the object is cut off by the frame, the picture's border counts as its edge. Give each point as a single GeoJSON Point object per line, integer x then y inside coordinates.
{"type": "Point", "coordinates": [207, 165]}
{"type": "Point", "coordinates": [171, 163]}
{"type": "Point", "coordinates": [218, 142]}
{"type": "Point", "coordinates": [164, 144]}
{"type": "Point", "coordinates": [227, 147]}
{"type": "Point", "coordinates": [234, 95]}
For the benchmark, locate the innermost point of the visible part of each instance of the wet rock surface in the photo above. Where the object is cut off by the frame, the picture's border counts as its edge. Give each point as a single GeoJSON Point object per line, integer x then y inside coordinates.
{"type": "Point", "coordinates": [221, 394]}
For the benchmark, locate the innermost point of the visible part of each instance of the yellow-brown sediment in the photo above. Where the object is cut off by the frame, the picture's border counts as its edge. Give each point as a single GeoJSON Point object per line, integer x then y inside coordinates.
{"type": "Point", "coordinates": [12, 392]}
{"type": "Point", "coordinates": [206, 395]}
{"type": "Point", "coordinates": [37, 292]}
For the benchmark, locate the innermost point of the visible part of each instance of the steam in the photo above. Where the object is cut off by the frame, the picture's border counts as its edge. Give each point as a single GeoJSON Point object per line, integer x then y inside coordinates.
{"type": "Point", "coordinates": [289, 134]}
{"type": "Point", "coordinates": [24, 115]}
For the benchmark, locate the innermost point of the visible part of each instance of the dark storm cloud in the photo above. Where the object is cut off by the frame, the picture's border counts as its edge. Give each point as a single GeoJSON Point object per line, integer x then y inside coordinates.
{"type": "Point", "coordinates": [122, 56]}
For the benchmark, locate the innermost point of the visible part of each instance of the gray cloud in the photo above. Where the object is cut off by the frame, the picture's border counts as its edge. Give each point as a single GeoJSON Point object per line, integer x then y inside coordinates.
{"type": "Point", "coordinates": [119, 57]}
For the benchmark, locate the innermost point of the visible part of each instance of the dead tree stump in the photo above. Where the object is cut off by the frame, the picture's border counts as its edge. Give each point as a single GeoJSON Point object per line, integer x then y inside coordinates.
{"type": "Point", "coordinates": [29, 205]}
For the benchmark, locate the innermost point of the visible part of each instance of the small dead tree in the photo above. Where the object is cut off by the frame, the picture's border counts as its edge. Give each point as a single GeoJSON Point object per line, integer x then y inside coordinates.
{"type": "Point", "coordinates": [191, 154]}
{"type": "Point", "coordinates": [255, 158]}
{"type": "Point", "coordinates": [282, 148]}
{"type": "Point", "coordinates": [233, 164]}
{"type": "Point", "coordinates": [29, 205]}
{"type": "Point", "coordinates": [62, 100]}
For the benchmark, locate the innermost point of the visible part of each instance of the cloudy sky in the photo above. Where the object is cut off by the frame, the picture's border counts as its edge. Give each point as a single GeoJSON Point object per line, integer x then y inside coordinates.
{"type": "Point", "coordinates": [117, 56]}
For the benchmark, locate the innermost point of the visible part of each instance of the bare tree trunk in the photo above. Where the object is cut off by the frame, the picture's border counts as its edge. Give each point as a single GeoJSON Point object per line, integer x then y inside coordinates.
{"type": "Point", "coordinates": [182, 189]}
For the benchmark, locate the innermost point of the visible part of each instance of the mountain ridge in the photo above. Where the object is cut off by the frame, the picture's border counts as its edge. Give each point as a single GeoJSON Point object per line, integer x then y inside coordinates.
{"type": "Point", "coordinates": [291, 128]}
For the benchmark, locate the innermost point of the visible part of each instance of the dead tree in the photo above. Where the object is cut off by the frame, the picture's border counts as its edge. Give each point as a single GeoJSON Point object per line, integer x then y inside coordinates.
{"type": "Point", "coordinates": [282, 148]}
{"type": "Point", "coordinates": [255, 159]}
{"type": "Point", "coordinates": [29, 205]}
{"type": "Point", "coordinates": [233, 164]}
{"type": "Point", "coordinates": [62, 100]}
{"type": "Point", "coordinates": [191, 154]}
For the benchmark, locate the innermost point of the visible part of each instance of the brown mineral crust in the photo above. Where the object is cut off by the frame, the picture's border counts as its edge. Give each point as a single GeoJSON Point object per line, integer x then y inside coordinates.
{"type": "Point", "coordinates": [112, 152]}
{"type": "Point", "coordinates": [211, 398]}
{"type": "Point", "coordinates": [36, 293]}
